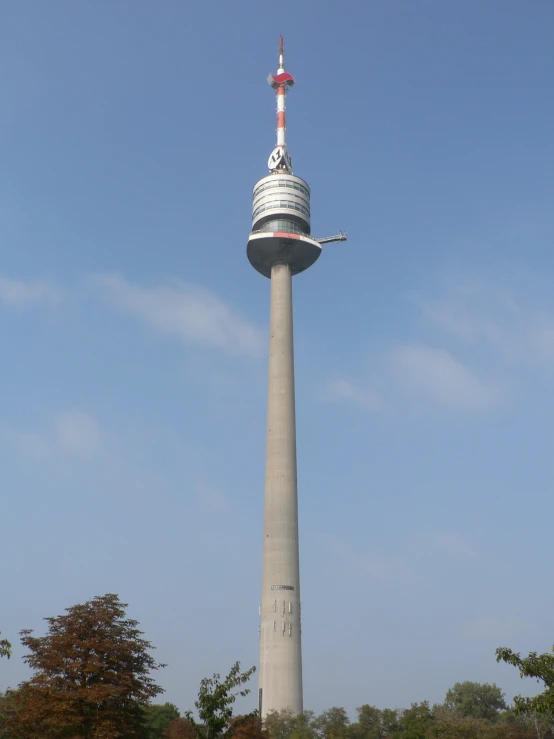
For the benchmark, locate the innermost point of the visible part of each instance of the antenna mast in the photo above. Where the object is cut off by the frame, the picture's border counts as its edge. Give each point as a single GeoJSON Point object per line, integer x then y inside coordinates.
{"type": "Point", "coordinates": [280, 158]}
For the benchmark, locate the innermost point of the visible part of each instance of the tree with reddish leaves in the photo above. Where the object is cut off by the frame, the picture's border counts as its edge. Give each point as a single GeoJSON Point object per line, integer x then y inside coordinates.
{"type": "Point", "coordinates": [91, 677]}
{"type": "Point", "coordinates": [248, 727]}
{"type": "Point", "coordinates": [180, 728]}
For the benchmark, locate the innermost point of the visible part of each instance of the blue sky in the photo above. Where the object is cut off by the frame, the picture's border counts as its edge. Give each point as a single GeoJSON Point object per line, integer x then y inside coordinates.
{"type": "Point", "coordinates": [134, 331]}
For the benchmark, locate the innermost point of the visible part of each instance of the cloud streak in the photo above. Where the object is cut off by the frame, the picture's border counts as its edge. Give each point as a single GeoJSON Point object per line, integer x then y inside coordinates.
{"type": "Point", "coordinates": [477, 344]}
{"type": "Point", "coordinates": [71, 434]}
{"type": "Point", "coordinates": [416, 374]}
{"type": "Point", "coordinates": [437, 376]}
{"type": "Point", "coordinates": [23, 294]}
{"type": "Point", "coordinates": [190, 313]}
{"type": "Point", "coordinates": [363, 396]}
{"type": "Point", "coordinates": [479, 314]}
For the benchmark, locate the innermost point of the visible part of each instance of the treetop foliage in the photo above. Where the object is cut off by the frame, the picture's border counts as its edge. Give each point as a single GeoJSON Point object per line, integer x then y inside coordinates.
{"type": "Point", "coordinates": [215, 703]}
{"type": "Point", "coordinates": [5, 648]}
{"type": "Point", "coordinates": [419, 721]}
{"type": "Point", "coordinates": [538, 666]}
{"type": "Point", "coordinates": [476, 700]}
{"type": "Point", "coordinates": [91, 676]}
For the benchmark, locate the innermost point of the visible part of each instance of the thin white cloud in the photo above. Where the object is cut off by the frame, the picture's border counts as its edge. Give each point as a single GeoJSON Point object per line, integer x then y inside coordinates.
{"type": "Point", "coordinates": [541, 339]}
{"type": "Point", "coordinates": [517, 324]}
{"type": "Point", "coordinates": [77, 432]}
{"type": "Point", "coordinates": [437, 376]}
{"type": "Point", "coordinates": [22, 294]}
{"type": "Point", "coordinates": [191, 313]}
{"type": "Point", "coordinates": [70, 434]}
{"type": "Point", "coordinates": [469, 310]}
{"type": "Point", "coordinates": [363, 397]}
{"type": "Point", "coordinates": [414, 376]}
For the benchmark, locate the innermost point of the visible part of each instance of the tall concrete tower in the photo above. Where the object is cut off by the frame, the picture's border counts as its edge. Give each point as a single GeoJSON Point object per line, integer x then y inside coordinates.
{"type": "Point", "coordinates": [279, 247]}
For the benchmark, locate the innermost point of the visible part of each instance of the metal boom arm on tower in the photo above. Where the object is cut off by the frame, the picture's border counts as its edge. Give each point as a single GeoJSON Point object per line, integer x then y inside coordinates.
{"type": "Point", "coordinates": [328, 239]}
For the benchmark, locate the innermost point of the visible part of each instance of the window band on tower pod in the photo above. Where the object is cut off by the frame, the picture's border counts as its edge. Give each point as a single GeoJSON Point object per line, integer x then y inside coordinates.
{"type": "Point", "coordinates": [287, 204]}
{"type": "Point", "coordinates": [281, 183]}
{"type": "Point", "coordinates": [267, 191]}
{"type": "Point", "coordinates": [280, 224]}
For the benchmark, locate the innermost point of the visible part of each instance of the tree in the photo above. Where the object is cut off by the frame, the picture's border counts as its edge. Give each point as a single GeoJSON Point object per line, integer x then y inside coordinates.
{"type": "Point", "coordinates": [180, 728]}
{"type": "Point", "coordinates": [5, 648]}
{"type": "Point", "coordinates": [368, 725]}
{"type": "Point", "coordinates": [523, 726]}
{"type": "Point", "coordinates": [447, 724]}
{"type": "Point", "coordinates": [285, 725]}
{"type": "Point", "coordinates": [280, 724]}
{"type": "Point", "coordinates": [475, 700]}
{"type": "Point", "coordinates": [374, 723]}
{"type": "Point", "coordinates": [332, 724]}
{"type": "Point", "coordinates": [539, 666]}
{"type": "Point", "coordinates": [157, 718]}
{"type": "Point", "coordinates": [389, 721]}
{"type": "Point", "coordinates": [91, 676]}
{"type": "Point", "coordinates": [304, 726]}
{"type": "Point", "coordinates": [249, 727]}
{"type": "Point", "coordinates": [215, 704]}
{"type": "Point", "coordinates": [538, 725]}
{"type": "Point", "coordinates": [416, 721]}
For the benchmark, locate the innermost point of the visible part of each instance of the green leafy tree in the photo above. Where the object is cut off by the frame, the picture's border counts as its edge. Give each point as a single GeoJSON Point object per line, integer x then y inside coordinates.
{"type": "Point", "coordinates": [476, 700]}
{"type": "Point", "coordinates": [538, 666]}
{"type": "Point", "coordinates": [416, 721]}
{"type": "Point", "coordinates": [304, 727]}
{"type": "Point", "coordinates": [5, 648]}
{"type": "Point", "coordinates": [538, 725]}
{"type": "Point", "coordinates": [448, 724]}
{"type": "Point", "coordinates": [368, 725]}
{"type": "Point", "coordinates": [91, 677]}
{"type": "Point", "coordinates": [215, 704]}
{"type": "Point", "coordinates": [285, 725]}
{"type": "Point", "coordinates": [280, 724]}
{"type": "Point", "coordinates": [332, 724]}
{"type": "Point", "coordinates": [390, 721]}
{"type": "Point", "coordinates": [157, 718]}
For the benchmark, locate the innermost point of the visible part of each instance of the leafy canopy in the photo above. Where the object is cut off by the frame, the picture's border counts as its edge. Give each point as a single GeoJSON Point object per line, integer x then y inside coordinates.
{"type": "Point", "coordinates": [91, 676]}
{"type": "Point", "coordinates": [157, 719]}
{"type": "Point", "coordinates": [215, 704]}
{"type": "Point", "coordinates": [539, 666]}
{"type": "Point", "coordinates": [475, 700]}
{"type": "Point", "coordinates": [5, 648]}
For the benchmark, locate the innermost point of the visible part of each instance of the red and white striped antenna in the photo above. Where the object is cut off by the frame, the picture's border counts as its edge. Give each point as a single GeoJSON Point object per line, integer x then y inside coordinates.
{"type": "Point", "coordinates": [280, 158]}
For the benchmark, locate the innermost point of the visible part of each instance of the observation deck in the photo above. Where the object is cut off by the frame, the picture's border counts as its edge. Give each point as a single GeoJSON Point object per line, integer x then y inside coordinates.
{"type": "Point", "coordinates": [281, 224]}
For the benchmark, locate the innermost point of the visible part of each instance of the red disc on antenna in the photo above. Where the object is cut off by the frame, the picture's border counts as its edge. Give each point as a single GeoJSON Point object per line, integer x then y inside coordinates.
{"type": "Point", "coordinates": [281, 79]}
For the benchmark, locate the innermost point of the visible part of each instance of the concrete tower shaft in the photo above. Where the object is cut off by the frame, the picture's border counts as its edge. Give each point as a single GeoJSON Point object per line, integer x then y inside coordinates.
{"type": "Point", "coordinates": [280, 678]}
